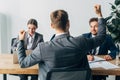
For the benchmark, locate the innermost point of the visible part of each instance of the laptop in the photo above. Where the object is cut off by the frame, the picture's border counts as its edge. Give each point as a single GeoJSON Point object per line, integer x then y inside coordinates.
{"type": "Point", "coordinates": [15, 57]}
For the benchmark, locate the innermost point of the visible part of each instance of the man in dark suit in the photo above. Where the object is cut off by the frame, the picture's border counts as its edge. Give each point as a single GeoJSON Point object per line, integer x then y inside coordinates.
{"type": "Point", "coordinates": [31, 39]}
{"type": "Point", "coordinates": [63, 51]}
{"type": "Point", "coordinates": [108, 48]}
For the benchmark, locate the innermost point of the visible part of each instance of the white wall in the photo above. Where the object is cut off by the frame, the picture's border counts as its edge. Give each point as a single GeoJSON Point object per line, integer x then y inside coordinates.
{"type": "Point", "coordinates": [3, 32]}
{"type": "Point", "coordinates": [18, 12]}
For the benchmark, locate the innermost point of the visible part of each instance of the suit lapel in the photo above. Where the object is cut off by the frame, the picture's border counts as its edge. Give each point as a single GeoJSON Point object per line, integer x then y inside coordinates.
{"type": "Point", "coordinates": [34, 41]}
{"type": "Point", "coordinates": [26, 40]}
{"type": "Point", "coordinates": [90, 36]}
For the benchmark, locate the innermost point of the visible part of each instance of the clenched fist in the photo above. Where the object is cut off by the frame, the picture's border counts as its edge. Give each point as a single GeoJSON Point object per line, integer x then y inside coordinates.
{"type": "Point", "coordinates": [97, 8]}
{"type": "Point", "coordinates": [21, 35]}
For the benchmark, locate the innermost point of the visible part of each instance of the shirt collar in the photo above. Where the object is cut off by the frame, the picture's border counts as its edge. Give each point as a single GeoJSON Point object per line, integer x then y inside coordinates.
{"type": "Point", "coordinates": [61, 33]}
{"type": "Point", "coordinates": [31, 36]}
{"type": "Point", "coordinates": [93, 35]}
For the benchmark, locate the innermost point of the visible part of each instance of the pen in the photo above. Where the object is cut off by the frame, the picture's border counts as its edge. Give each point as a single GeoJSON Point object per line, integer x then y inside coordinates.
{"type": "Point", "coordinates": [97, 61]}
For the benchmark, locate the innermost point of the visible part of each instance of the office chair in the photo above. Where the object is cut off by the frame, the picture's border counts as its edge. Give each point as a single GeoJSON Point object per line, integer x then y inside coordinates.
{"type": "Point", "coordinates": [69, 74]}
{"type": "Point", "coordinates": [12, 42]}
{"type": "Point", "coordinates": [5, 75]}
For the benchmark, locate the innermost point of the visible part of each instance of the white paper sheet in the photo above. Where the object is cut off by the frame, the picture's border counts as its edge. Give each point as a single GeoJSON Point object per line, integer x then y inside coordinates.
{"type": "Point", "coordinates": [108, 65]}
{"type": "Point", "coordinates": [100, 62]}
{"type": "Point", "coordinates": [97, 59]}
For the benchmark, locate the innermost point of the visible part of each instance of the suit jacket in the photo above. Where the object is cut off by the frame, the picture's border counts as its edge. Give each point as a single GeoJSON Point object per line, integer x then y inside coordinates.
{"type": "Point", "coordinates": [106, 46]}
{"type": "Point", "coordinates": [37, 39]}
{"type": "Point", "coordinates": [64, 51]}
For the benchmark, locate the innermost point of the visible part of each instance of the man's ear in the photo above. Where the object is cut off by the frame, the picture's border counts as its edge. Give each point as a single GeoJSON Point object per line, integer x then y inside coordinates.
{"type": "Point", "coordinates": [52, 25]}
{"type": "Point", "coordinates": [68, 26]}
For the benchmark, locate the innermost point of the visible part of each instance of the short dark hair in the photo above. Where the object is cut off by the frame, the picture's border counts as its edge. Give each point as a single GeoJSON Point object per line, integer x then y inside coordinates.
{"type": "Point", "coordinates": [93, 19]}
{"type": "Point", "coordinates": [59, 18]}
{"type": "Point", "coordinates": [33, 21]}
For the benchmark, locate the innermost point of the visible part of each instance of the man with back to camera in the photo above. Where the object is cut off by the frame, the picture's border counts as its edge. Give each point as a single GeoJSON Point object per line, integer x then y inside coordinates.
{"type": "Point", "coordinates": [32, 38]}
{"type": "Point", "coordinates": [108, 48]}
{"type": "Point", "coordinates": [63, 51]}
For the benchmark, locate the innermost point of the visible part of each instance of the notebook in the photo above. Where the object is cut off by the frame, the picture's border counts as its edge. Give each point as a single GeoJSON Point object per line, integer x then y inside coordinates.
{"type": "Point", "coordinates": [15, 57]}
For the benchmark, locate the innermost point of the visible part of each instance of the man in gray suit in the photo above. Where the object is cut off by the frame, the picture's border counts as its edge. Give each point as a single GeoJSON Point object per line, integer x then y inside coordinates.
{"type": "Point", "coordinates": [31, 39]}
{"type": "Point", "coordinates": [63, 51]}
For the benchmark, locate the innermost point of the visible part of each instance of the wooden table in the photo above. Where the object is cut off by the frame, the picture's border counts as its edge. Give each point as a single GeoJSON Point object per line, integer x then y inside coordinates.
{"type": "Point", "coordinates": [101, 71]}
{"type": "Point", "coordinates": [7, 67]}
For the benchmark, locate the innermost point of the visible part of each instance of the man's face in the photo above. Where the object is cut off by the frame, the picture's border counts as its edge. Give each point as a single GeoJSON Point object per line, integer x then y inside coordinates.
{"type": "Point", "coordinates": [31, 29]}
{"type": "Point", "coordinates": [94, 27]}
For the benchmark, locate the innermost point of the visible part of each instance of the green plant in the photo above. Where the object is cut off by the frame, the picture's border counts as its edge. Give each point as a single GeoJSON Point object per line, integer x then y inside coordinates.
{"type": "Point", "coordinates": [113, 21]}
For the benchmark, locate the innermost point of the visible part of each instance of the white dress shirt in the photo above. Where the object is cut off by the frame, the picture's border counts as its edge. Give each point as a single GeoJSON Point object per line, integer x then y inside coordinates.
{"type": "Point", "coordinates": [30, 41]}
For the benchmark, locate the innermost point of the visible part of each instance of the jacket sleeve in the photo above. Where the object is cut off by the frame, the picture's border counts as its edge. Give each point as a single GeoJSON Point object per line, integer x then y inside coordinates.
{"type": "Point", "coordinates": [29, 60]}
{"type": "Point", "coordinates": [112, 47]}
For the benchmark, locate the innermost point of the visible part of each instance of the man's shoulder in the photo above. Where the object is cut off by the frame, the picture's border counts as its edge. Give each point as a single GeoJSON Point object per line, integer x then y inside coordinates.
{"type": "Point", "coordinates": [86, 34]}
{"type": "Point", "coordinates": [108, 36]}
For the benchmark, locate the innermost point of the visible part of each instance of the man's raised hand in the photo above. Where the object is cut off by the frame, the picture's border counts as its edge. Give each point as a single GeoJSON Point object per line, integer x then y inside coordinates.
{"type": "Point", "coordinates": [97, 8]}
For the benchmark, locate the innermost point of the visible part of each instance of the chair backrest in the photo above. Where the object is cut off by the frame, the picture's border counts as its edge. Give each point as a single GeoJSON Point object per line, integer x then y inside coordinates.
{"type": "Point", "coordinates": [12, 42]}
{"type": "Point", "coordinates": [69, 74]}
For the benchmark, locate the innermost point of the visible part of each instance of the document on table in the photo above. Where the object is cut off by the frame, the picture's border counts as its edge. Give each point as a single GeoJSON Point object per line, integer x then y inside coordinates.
{"type": "Point", "coordinates": [100, 62]}
{"type": "Point", "coordinates": [97, 59]}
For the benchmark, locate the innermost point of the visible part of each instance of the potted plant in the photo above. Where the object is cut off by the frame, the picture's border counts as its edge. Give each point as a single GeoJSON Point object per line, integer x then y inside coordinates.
{"type": "Point", "coordinates": [113, 22]}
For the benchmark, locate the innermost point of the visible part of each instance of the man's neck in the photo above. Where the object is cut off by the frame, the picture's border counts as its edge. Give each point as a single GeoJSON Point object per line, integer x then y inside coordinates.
{"type": "Point", "coordinates": [60, 32]}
